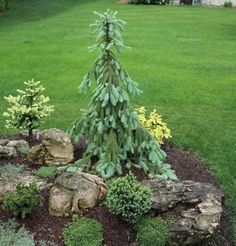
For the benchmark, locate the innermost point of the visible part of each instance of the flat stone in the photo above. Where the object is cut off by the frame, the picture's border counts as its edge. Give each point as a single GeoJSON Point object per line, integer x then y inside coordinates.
{"type": "Point", "coordinates": [4, 142]}
{"type": "Point", "coordinates": [18, 144]}
{"type": "Point", "coordinates": [74, 191]}
{"type": "Point", "coordinates": [199, 207]}
{"type": "Point", "coordinates": [7, 152]}
{"type": "Point", "coordinates": [8, 182]}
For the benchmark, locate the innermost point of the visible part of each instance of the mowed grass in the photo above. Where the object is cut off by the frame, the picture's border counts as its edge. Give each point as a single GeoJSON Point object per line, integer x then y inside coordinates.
{"type": "Point", "coordinates": [184, 59]}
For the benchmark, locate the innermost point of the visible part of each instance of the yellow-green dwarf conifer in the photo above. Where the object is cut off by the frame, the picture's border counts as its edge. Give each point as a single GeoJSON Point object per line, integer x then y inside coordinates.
{"type": "Point", "coordinates": [114, 132]}
{"type": "Point", "coordinates": [28, 108]}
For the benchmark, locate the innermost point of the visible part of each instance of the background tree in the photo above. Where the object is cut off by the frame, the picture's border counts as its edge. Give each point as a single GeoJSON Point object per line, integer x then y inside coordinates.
{"type": "Point", "coordinates": [114, 132]}
{"type": "Point", "coordinates": [4, 5]}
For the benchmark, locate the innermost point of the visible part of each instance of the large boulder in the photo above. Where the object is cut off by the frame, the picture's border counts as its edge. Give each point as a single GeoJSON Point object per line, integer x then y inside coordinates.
{"type": "Point", "coordinates": [74, 191]}
{"type": "Point", "coordinates": [56, 148]}
{"type": "Point", "coordinates": [8, 182]}
{"type": "Point", "coordinates": [195, 207]}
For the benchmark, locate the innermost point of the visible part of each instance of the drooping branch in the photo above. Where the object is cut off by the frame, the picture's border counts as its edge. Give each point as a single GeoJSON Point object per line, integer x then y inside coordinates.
{"type": "Point", "coordinates": [115, 133]}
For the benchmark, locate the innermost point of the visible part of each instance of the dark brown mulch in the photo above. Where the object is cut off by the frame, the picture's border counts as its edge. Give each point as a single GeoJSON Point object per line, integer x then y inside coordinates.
{"type": "Point", "coordinates": [116, 231]}
{"type": "Point", "coordinates": [41, 224]}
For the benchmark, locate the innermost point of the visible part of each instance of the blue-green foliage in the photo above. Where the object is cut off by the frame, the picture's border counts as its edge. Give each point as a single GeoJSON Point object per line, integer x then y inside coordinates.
{"type": "Point", "coordinates": [12, 235]}
{"type": "Point", "coordinates": [113, 128]}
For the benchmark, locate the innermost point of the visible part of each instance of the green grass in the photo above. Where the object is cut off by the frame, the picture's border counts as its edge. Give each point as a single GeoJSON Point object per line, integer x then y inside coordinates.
{"type": "Point", "coordinates": [184, 59]}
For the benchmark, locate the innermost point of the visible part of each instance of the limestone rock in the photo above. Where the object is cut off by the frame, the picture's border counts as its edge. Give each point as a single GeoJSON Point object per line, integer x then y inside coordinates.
{"type": "Point", "coordinates": [7, 152]}
{"type": "Point", "coordinates": [59, 149]}
{"type": "Point", "coordinates": [4, 142]}
{"type": "Point", "coordinates": [56, 148]}
{"type": "Point", "coordinates": [8, 182]}
{"type": "Point", "coordinates": [18, 144]}
{"type": "Point", "coordinates": [36, 154]}
{"type": "Point", "coordinates": [197, 208]}
{"type": "Point", "coordinates": [74, 191]}
{"type": "Point", "coordinates": [36, 133]}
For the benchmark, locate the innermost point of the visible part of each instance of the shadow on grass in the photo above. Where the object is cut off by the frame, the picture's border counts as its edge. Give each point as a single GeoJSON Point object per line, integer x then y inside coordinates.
{"type": "Point", "coordinates": [34, 10]}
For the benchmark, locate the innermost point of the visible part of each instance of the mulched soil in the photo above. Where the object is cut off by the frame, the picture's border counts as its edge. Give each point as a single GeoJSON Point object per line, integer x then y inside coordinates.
{"type": "Point", "coordinates": [116, 231]}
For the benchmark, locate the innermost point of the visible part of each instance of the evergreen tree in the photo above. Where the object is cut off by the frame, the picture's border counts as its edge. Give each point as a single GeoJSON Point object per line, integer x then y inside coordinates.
{"type": "Point", "coordinates": [114, 132]}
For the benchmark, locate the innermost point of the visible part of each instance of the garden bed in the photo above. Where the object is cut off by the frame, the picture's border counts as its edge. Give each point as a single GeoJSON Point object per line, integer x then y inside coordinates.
{"type": "Point", "coordinates": [116, 231]}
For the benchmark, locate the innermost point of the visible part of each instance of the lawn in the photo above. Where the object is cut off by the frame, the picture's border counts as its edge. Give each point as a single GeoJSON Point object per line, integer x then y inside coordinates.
{"type": "Point", "coordinates": [184, 59]}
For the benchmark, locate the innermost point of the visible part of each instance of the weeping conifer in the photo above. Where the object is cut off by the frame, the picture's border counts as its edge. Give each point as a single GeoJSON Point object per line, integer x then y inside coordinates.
{"type": "Point", "coordinates": [115, 135]}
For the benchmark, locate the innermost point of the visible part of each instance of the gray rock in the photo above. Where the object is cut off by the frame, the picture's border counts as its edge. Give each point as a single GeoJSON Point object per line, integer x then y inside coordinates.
{"type": "Point", "coordinates": [56, 148]}
{"type": "Point", "coordinates": [18, 144]}
{"type": "Point", "coordinates": [4, 142]}
{"type": "Point", "coordinates": [199, 207]}
{"type": "Point", "coordinates": [36, 133]}
{"type": "Point", "coordinates": [8, 182]}
{"type": "Point", "coordinates": [7, 152]}
{"type": "Point", "coordinates": [74, 191]}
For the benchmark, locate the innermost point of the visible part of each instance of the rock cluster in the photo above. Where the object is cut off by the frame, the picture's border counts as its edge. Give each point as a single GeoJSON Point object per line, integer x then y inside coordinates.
{"type": "Point", "coordinates": [56, 148]}
{"type": "Point", "coordinates": [195, 207]}
{"type": "Point", "coordinates": [8, 182]}
{"type": "Point", "coordinates": [8, 148]}
{"type": "Point", "coordinates": [74, 191]}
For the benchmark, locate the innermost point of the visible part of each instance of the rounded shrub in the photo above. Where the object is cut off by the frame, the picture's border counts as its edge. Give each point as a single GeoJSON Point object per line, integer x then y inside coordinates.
{"type": "Point", "coordinates": [84, 231]}
{"type": "Point", "coordinates": [152, 231]}
{"type": "Point", "coordinates": [23, 200]}
{"type": "Point", "coordinates": [128, 198]}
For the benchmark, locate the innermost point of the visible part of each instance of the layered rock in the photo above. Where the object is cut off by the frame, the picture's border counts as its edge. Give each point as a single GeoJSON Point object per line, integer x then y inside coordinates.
{"type": "Point", "coordinates": [7, 152]}
{"type": "Point", "coordinates": [8, 148]}
{"type": "Point", "coordinates": [18, 144]}
{"type": "Point", "coordinates": [56, 148]}
{"type": "Point", "coordinates": [74, 191]}
{"type": "Point", "coordinates": [195, 207]}
{"type": "Point", "coordinates": [8, 182]}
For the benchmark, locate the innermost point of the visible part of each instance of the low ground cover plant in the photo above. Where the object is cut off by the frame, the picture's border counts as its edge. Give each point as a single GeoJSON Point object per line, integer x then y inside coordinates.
{"type": "Point", "coordinates": [9, 169]}
{"type": "Point", "coordinates": [128, 198]}
{"type": "Point", "coordinates": [83, 231]}
{"type": "Point", "coordinates": [46, 172]}
{"type": "Point", "coordinates": [152, 231]}
{"type": "Point", "coordinates": [11, 235]}
{"type": "Point", "coordinates": [28, 108]}
{"type": "Point", "coordinates": [23, 201]}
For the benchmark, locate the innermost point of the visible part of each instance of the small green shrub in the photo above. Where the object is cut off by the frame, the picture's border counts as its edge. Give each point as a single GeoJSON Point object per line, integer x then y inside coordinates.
{"type": "Point", "coordinates": [45, 172]}
{"type": "Point", "coordinates": [11, 169]}
{"type": "Point", "coordinates": [23, 200]}
{"type": "Point", "coordinates": [23, 150]}
{"type": "Point", "coordinates": [128, 198]}
{"type": "Point", "coordinates": [10, 235]}
{"type": "Point", "coordinates": [84, 231]}
{"type": "Point", "coordinates": [228, 4]}
{"type": "Point", "coordinates": [152, 231]}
